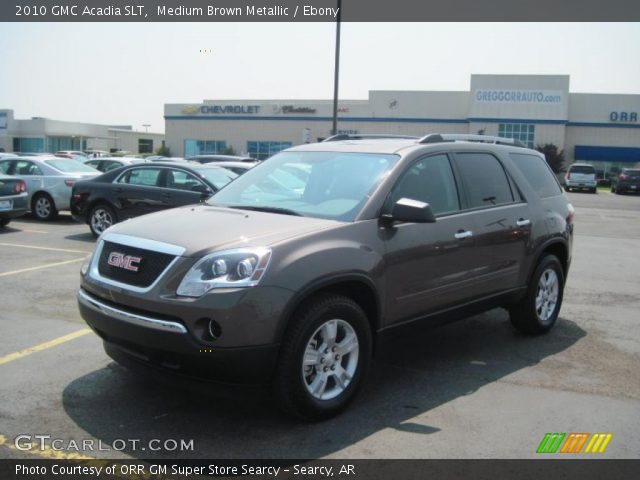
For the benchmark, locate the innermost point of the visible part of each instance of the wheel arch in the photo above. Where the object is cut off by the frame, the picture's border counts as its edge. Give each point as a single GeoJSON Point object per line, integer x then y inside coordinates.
{"type": "Point", "coordinates": [557, 247]}
{"type": "Point", "coordinates": [356, 286]}
{"type": "Point", "coordinates": [96, 202]}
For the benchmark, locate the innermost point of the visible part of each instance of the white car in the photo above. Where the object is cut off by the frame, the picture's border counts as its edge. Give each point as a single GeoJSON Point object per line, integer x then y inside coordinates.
{"type": "Point", "coordinates": [581, 176]}
{"type": "Point", "coordinates": [49, 180]}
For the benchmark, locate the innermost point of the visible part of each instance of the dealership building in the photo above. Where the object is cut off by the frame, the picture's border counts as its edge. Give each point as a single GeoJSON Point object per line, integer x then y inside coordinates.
{"type": "Point", "coordinates": [601, 129]}
{"type": "Point", "coordinates": [46, 135]}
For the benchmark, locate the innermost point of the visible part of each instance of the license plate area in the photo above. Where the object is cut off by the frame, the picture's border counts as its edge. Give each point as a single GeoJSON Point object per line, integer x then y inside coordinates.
{"type": "Point", "coordinates": [6, 205]}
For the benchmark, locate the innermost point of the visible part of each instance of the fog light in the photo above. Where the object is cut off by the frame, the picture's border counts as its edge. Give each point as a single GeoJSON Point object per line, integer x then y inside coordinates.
{"type": "Point", "coordinates": [215, 330]}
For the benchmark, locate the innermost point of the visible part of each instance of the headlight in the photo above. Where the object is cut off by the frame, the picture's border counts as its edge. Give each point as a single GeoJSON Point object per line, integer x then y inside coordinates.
{"type": "Point", "coordinates": [243, 267]}
{"type": "Point", "coordinates": [85, 264]}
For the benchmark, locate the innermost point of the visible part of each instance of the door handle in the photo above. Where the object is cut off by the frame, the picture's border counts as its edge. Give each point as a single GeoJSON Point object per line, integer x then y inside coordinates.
{"type": "Point", "coordinates": [462, 234]}
{"type": "Point", "coordinates": [117, 190]}
{"type": "Point", "coordinates": [523, 222]}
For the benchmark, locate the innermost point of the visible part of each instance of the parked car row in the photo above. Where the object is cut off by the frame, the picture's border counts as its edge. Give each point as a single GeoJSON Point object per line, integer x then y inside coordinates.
{"type": "Point", "coordinates": [48, 180]}
{"type": "Point", "coordinates": [109, 189]}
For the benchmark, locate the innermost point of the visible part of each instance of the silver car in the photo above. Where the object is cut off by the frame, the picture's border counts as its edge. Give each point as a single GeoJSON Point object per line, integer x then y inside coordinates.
{"type": "Point", "coordinates": [49, 180]}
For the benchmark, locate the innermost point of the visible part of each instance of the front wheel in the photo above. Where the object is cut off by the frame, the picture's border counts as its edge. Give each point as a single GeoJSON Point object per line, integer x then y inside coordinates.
{"type": "Point", "coordinates": [101, 217]}
{"type": "Point", "coordinates": [538, 311]}
{"type": "Point", "coordinates": [324, 358]}
{"type": "Point", "coordinates": [4, 222]}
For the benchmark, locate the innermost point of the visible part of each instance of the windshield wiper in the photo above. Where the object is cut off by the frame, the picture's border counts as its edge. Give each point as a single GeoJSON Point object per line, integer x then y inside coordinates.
{"type": "Point", "coordinates": [283, 211]}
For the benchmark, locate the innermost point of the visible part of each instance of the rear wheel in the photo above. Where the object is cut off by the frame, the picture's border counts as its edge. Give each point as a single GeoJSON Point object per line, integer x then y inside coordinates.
{"type": "Point", "coordinates": [594, 190]}
{"type": "Point", "coordinates": [43, 207]}
{"type": "Point", "coordinates": [538, 311]}
{"type": "Point", "coordinates": [4, 222]}
{"type": "Point", "coordinates": [101, 217]}
{"type": "Point", "coordinates": [324, 358]}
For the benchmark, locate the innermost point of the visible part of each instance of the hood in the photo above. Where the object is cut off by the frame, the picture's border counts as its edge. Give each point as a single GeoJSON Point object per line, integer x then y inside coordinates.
{"type": "Point", "coordinates": [201, 228]}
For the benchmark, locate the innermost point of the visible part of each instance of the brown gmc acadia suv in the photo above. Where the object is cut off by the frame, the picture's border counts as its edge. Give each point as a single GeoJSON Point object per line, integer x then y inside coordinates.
{"type": "Point", "coordinates": [294, 273]}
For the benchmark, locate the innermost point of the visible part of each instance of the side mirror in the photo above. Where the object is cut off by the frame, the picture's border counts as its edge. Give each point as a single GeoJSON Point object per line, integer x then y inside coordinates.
{"type": "Point", "coordinates": [202, 189]}
{"type": "Point", "coordinates": [411, 211]}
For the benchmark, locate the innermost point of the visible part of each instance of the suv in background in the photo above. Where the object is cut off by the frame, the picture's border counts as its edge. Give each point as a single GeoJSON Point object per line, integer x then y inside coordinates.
{"type": "Point", "coordinates": [581, 176]}
{"type": "Point", "coordinates": [627, 181]}
{"type": "Point", "coordinates": [296, 280]}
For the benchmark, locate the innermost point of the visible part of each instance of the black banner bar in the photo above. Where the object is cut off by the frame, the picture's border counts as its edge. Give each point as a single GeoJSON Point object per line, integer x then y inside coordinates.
{"type": "Point", "coordinates": [317, 10]}
{"type": "Point", "coordinates": [583, 469]}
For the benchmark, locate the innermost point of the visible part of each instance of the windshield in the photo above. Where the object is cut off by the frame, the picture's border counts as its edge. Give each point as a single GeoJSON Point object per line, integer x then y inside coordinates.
{"type": "Point", "coordinates": [68, 166]}
{"type": "Point", "coordinates": [218, 177]}
{"type": "Point", "coordinates": [332, 185]}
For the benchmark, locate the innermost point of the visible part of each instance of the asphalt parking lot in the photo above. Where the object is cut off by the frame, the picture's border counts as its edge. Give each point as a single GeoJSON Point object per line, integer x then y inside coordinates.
{"type": "Point", "coordinates": [474, 389]}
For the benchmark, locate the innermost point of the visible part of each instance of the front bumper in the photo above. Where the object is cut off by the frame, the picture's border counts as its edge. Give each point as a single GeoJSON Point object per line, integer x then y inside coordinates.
{"type": "Point", "coordinates": [148, 341]}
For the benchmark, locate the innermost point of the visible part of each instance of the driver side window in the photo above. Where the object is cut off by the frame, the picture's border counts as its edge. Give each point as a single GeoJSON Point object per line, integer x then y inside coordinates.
{"type": "Point", "coordinates": [429, 180]}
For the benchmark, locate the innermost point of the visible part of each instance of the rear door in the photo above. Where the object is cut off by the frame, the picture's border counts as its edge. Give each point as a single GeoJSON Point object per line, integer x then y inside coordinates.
{"type": "Point", "coordinates": [502, 221]}
{"type": "Point", "coordinates": [138, 191]}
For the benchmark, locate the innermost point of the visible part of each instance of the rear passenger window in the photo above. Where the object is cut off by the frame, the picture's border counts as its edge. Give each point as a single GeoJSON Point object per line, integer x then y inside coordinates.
{"type": "Point", "coordinates": [142, 176]}
{"type": "Point", "coordinates": [484, 179]}
{"type": "Point", "coordinates": [537, 173]}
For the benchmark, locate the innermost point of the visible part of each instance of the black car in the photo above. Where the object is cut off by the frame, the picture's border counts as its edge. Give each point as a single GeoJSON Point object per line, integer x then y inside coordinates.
{"type": "Point", "coordinates": [627, 181]}
{"type": "Point", "coordinates": [135, 190]}
{"type": "Point", "coordinates": [13, 198]}
{"type": "Point", "coordinates": [106, 164]}
{"type": "Point", "coordinates": [220, 158]}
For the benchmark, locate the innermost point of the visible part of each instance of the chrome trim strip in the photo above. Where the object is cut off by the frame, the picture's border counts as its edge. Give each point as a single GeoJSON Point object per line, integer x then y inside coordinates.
{"type": "Point", "coordinates": [133, 318]}
{"type": "Point", "coordinates": [144, 243]}
{"type": "Point", "coordinates": [135, 242]}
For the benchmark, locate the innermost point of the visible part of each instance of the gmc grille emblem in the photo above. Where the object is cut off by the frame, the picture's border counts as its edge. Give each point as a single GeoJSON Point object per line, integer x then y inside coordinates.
{"type": "Point", "coordinates": [120, 260]}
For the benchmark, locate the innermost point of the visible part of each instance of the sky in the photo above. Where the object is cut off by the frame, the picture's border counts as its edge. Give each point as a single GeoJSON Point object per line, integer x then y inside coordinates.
{"type": "Point", "coordinates": [124, 73]}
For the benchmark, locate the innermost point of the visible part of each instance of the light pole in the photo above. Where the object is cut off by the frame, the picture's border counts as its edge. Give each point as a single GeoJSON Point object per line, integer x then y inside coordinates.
{"type": "Point", "coordinates": [336, 70]}
{"type": "Point", "coordinates": [146, 127]}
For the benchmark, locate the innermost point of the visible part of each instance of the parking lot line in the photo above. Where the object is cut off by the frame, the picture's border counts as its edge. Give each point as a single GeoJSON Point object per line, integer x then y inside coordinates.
{"type": "Point", "coordinates": [43, 346]}
{"type": "Point", "coordinates": [42, 248]}
{"type": "Point", "coordinates": [39, 267]}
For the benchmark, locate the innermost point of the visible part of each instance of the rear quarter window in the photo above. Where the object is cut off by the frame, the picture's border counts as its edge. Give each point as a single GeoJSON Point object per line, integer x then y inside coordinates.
{"type": "Point", "coordinates": [537, 173]}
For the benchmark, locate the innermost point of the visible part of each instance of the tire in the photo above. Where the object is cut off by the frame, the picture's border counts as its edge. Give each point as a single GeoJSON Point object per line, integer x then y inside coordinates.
{"type": "Point", "coordinates": [538, 311]}
{"type": "Point", "coordinates": [4, 222]}
{"type": "Point", "coordinates": [613, 190]}
{"type": "Point", "coordinates": [100, 218]}
{"type": "Point", "coordinates": [43, 207]}
{"type": "Point", "coordinates": [307, 383]}
{"type": "Point", "coordinates": [594, 190]}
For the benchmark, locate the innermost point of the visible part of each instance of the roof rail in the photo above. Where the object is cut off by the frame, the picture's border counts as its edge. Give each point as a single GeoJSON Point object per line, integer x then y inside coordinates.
{"type": "Point", "coordinates": [367, 136]}
{"type": "Point", "coordinates": [465, 137]}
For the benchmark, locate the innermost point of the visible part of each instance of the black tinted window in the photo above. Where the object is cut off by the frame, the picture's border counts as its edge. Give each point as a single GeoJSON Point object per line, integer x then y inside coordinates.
{"type": "Point", "coordinates": [4, 166]}
{"type": "Point", "coordinates": [537, 173]}
{"type": "Point", "coordinates": [588, 169]}
{"type": "Point", "coordinates": [429, 180]}
{"type": "Point", "coordinates": [484, 178]}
